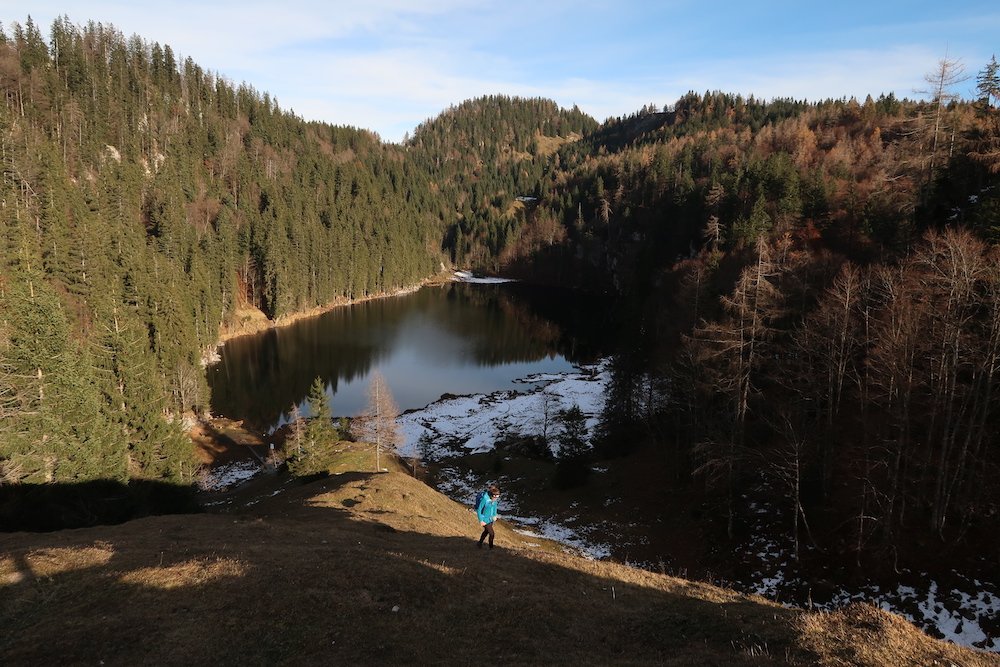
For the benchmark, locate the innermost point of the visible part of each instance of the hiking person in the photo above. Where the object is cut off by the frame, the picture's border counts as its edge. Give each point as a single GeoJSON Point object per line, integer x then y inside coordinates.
{"type": "Point", "coordinates": [486, 510]}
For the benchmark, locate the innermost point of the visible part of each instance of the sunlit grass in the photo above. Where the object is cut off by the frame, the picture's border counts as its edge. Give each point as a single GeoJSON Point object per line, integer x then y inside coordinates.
{"type": "Point", "coordinates": [192, 573]}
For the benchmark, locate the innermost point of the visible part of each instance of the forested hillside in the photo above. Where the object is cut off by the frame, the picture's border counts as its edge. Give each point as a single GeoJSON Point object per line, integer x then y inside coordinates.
{"type": "Point", "coordinates": [818, 288]}
{"type": "Point", "coordinates": [145, 201]}
{"type": "Point", "coordinates": [487, 157]}
{"type": "Point", "coordinates": [149, 203]}
{"type": "Point", "coordinates": [717, 171]}
{"type": "Point", "coordinates": [809, 292]}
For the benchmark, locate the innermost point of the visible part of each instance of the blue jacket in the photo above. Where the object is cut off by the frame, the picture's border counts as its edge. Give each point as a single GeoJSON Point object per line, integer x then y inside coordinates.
{"type": "Point", "coordinates": [487, 508]}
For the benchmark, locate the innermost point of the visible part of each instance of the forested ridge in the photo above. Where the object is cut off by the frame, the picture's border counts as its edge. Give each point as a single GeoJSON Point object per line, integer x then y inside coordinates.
{"type": "Point", "coordinates": [487, 158]}
{"type": "Point", "coordinates": [816, 282]}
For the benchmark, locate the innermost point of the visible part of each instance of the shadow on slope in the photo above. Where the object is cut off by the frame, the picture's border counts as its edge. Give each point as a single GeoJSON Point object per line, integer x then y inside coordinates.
{"type": "Point", "coordinates": [370, 569]}
{"type": "Point", "coordinates": [45, 507]}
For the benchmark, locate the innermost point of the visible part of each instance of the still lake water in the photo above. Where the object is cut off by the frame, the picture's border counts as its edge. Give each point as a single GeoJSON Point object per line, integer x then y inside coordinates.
{"type": "Point", "coordinates": [459, 338]}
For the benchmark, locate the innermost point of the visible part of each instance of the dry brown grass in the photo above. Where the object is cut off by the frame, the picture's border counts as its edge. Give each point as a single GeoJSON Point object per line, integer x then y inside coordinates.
{"type": "Point", "coordinates": [220, 439]}
{"type": "Point", "coordinates": [191, 573]}
{"type": "Point", "coordinates": [361, 568]}
{"type": "Point", "coordinates": [861, 634]}
{"type": "Point", "coordinates": [549, 145]}
{"type": "Point", "coordinates": [245, 320]}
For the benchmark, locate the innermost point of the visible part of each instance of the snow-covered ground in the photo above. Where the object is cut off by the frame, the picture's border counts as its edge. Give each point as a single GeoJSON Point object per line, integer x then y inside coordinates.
{"type": "Point", "coordinates": [557, 532]}
{"type": "Point", "coordinates": [463, 486]}
{"type": "Point", "coordinates": [476, 423]}
{"type": "Point", "coordinates": [468, 277]}
{"type": "Point", "coordinates": [228, 475]}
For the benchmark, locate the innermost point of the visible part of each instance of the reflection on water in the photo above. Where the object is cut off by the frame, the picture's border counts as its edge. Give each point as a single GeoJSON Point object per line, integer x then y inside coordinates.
{"type": "Point", "coordinates": [457, 338]}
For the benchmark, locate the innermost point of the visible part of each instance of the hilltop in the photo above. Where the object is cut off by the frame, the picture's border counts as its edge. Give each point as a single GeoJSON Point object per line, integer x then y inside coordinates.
{"type": "Point", "coordinates": [360, 568]}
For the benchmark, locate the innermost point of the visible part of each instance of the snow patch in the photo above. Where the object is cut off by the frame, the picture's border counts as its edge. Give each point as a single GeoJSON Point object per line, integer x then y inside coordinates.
{"type": "Point", "coordinates": [475, 423]}
{"type": "Point", "coordinates": [469, 277]}
{"type": "Point", "coordinates": [210, 356]}
{"type": "Point", "coordinates": [228, 475]}
{"type": "Point", "coordinates": [535, 527]}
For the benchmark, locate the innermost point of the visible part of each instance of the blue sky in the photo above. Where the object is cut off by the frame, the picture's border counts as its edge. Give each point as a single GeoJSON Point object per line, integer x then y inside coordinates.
{"type": "Point", "coordinates": [387, 65]}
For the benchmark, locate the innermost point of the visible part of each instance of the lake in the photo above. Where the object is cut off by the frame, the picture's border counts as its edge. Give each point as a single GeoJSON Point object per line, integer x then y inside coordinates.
{"type": "Point", "coordinates": [457, 338]}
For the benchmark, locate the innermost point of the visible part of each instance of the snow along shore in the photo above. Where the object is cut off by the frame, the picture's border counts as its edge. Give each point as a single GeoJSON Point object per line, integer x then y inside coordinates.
{"type": "Point", "coordinates": [475, 423]}
{"type": "Point", "coordinates": [469, 277]}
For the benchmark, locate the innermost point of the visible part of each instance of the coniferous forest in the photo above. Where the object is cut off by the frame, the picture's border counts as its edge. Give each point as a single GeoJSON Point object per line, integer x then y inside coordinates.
{"type": "Point", "coordinates": [811, 290]}
{"type": "Point", "coordinates": [145, 202]}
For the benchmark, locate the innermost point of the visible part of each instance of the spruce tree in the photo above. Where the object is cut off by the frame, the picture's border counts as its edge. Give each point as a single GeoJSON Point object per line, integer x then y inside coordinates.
{"type": "Point", "coordinates": [320, 432]}
{"type": "Point", "coordinates": [988, 84]}
{"type": "Point", "coordinates": [572, 466]}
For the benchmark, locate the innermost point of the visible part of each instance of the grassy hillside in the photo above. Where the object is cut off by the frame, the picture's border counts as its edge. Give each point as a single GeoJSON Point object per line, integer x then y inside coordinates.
{"type": "Point", "coordinates": [359, 568]}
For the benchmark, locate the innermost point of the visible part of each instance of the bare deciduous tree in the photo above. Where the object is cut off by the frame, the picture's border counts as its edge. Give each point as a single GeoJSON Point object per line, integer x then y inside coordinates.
{"type": "Point", "coordinates": [729, 352]}
{"type": "Point", "coordinates": [827, 350]}
{"type": "Point", "coordinates": [297, 424]}
{"type": "Point", "coordinates": [954, 270]}
{"type": "Point", "coordinates": [787, 462]}
{"type": "Point", "coordinates": [897, 344]}
{"type": "Point", "coordinates": [378, 423]}
{"type": "Point", "coordinates": [713, 233]}
{"type": "Point", "coordinates": [940, 84]}
{"type": "Point", "coordinates": [186, 386]}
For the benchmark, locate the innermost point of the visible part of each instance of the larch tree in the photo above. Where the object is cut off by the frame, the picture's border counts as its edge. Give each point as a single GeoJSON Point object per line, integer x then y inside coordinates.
{"type": "Point", "coordinates": [378, 423]}
{"type": "Point", "coordinates": [941, 82]}
{"type": "Point", "coordinates": [297, 424]}
{"type": "Point", "coordinates": [713, 233]}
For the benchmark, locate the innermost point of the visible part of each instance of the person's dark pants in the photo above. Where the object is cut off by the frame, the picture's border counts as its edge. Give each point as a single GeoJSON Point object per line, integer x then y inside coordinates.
{"type": "Point", "coordinates": [487, 530]}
